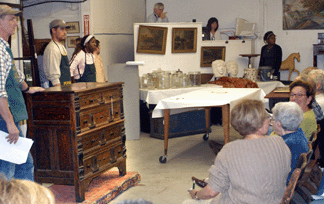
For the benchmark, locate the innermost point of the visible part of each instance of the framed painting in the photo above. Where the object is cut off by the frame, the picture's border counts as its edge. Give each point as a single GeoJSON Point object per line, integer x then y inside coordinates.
{"type": "Point", "coordinates": [74, 27]}
{"type": "Point", "coordinates": [151, 40]}
{"type": "Point", "coordinates": [184, 40]}
{"type": "Point", "coordinates": [302, 14]}
{"type": "Point", "coordinates": [210, 54]}
{"type": "Point", "coordinates": [71, 41]}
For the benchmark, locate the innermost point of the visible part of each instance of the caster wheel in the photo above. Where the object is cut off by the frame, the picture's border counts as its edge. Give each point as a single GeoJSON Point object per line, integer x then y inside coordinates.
{"type": "Point", "coordinates": [206, 136]}
{"type": "Point", "coordinates": [163, 159]}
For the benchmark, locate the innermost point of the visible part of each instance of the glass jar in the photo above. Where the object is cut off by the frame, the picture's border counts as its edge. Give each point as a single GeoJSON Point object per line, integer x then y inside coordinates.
{"type": "Point", "coordinates": [195, 78]}
{"type": "Point", "coordinates": [164, 80]}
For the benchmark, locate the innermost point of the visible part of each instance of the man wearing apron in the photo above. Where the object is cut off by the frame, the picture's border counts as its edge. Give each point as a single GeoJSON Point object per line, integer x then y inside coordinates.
{"type": "Point", "coordinates": [12, 104]}
{"type": "Point", "coordinates": [56, 62]}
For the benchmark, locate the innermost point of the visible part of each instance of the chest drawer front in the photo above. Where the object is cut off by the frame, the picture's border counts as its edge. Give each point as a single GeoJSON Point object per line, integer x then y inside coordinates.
{"type": "Point", "coordinates": [100, 97]}
{"type": "Point", "coordinates": [98, 116]}
{"type": "Point", "coordinates": [100, 138]}
{"type": "Point", "coordinates": [106, 157]}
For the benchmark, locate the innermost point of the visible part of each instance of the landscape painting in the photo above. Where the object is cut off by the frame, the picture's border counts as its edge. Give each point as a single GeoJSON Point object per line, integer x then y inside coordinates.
{"type": "Point", "coordinates": [303, 14]}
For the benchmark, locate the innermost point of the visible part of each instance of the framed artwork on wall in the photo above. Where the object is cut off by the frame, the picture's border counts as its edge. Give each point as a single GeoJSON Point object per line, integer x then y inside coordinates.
{"type": "Point", "coordinates": [74, 27]}
{"type": "Point", "coordinates": [210, 54]}
{"type": "Point", "coordinates": [151, 39]}
{"type": "Point", "coordinates": [71, 41]}
{"type": "Point", "coordinates": [308, 14]}
{"type": "Point", "coordinates": [184, 40]}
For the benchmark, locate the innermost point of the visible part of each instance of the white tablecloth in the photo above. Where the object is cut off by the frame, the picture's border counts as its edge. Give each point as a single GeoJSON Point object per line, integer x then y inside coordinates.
{"type": "Point", "coordinates": [268, 86]}
{"type": "Point", "coordinates": [206, 97]}
{"type": "Point", "coordinates": [154, 96]}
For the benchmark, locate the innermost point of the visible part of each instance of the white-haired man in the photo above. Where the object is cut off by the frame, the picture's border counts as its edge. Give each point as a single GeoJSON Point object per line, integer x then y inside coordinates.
{"type": "Point", "coordinates": [158, 16]}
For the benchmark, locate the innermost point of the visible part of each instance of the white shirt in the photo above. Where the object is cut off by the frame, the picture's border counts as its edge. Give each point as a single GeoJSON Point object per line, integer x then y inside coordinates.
{"type": "Point", "coordinates": [79, 61]}
{"type": "Point", "coordinates": [217, 36]}
{"type": "Point", "coordinates": [52, 60]}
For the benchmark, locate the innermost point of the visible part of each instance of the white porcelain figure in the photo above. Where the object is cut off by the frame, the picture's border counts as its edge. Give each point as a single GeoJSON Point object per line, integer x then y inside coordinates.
{"type": "Point", "coordinates": [219, 68]}
{"type": "Point", "coordinates": [232, 68]}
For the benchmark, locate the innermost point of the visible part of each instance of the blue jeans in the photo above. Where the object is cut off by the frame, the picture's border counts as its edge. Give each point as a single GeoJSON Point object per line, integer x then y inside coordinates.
{"type": "Point", "coordinates": [18, 171]}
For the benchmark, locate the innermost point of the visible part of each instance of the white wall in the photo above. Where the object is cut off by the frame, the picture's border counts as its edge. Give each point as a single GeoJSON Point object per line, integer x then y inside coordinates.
{"type": "Point", "coordinates": [266, 13]}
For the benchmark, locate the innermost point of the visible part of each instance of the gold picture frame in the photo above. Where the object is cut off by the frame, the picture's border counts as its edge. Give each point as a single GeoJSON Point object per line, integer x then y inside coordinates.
{"type": "Point", "coordinates": [71, 41]}
{"type": "Point", "coordinates": [151, 39]}
{"type": "Point", "coordinates": [210, 54]}
{"type": "Point", "coordinates": [184, 40]}
{"type": "Point", "coordinates": [74, 27]}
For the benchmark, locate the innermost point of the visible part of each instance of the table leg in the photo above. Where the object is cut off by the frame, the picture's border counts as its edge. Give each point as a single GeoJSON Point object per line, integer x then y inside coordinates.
{"type": "Point", "coordinates": [225, 112]}
{"type": "Point", "coordinates": [166, 134]}
{"type": "Point", "coordinates": [207, 118]}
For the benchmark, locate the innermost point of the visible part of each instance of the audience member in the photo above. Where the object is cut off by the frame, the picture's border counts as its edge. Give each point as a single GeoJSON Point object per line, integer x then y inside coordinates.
{"type": "Point", "coordinates": [56, 62]}
{"type": "Point", "coordinates": [317, 76]}
{"type": "Point", "coordinates": [212, 33]}
{"type": "Point", "coordinates": [249, 170]}
{"type": "Point", "coordinates": [287, 117]}
{"type": "Point", "coordinates": [82, 65]}
{"type": "Point", "coordinates": [271, 53]}
{"type": "Point", "coordinates": [16, 191]}
{"type": "Point", "coordinates": [303, 94]}
{"type": "Point", "coordinates": [158, 16]}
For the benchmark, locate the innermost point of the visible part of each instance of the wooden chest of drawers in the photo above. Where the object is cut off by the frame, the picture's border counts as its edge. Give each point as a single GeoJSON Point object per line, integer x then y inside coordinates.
{"type": "Point", "coordinates": [78, 132]}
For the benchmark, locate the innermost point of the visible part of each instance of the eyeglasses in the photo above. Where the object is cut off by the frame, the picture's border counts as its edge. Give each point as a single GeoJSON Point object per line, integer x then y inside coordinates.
{"type": "Point", "coordinates": [299, 95]}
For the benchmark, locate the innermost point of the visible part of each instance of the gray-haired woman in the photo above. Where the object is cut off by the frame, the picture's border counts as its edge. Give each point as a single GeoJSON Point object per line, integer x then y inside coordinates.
{"type": "Point", "coordinates": [249, 170]}
{"type": "Point", "coordinates": [286, 118]}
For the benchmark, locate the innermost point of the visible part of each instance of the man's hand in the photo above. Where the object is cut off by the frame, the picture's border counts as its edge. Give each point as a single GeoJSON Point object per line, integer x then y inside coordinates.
{"type": "Point", "coordinates": [13, 134]}
{"type": "Point", "coordinates": [163, 15]}
{"type": "Point", "coordinates": [35, 89]}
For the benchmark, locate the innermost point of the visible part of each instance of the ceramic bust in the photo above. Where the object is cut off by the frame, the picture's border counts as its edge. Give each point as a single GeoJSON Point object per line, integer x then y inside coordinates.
{"type": "Point", "coordinates": [219, 68]}
{"type": "Point", "coordinates": [232, 68]}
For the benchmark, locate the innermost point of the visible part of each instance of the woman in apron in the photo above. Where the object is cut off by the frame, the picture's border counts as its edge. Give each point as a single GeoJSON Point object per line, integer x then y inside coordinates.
{"type": "Point", "coordinates": [82, 64]}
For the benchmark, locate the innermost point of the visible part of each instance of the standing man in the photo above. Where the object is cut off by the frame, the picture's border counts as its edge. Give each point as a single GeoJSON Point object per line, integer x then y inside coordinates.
{"type": "Point", "coordinates": [56, 62]}
{"type": "Point", "coordinates": [12, 104]}
{"type": "Point", "coordinates": [158, 16]}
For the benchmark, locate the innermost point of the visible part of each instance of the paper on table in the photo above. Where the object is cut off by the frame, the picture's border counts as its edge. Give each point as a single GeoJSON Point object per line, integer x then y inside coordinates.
{"type": "Point", "coordinates": [14, 153]}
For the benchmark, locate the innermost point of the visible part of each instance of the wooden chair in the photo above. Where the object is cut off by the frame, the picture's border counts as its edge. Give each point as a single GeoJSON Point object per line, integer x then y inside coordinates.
{"type": "Point", "coordinates": [296, 175]}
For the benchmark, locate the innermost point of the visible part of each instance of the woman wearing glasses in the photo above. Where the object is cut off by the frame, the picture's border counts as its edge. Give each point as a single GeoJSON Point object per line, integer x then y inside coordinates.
{"type": "Point", "coordinates": [302, 93]}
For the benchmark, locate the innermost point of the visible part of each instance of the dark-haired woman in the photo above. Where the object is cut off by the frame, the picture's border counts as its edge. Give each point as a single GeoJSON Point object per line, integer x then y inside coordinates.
{"type": "Point", "coordinates": [212, 33]}
{"type": "Point", "coordinates": [82, 64]}
{"type": "Point", "coordinates": [271, 53]}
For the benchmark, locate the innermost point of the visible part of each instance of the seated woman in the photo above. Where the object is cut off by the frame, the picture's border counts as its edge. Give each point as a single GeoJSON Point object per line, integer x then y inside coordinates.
{"type": "Point", "coordinates": [287, 117]}
{"type": "Point", "coordinates": [82, 64]}
{"type": "Point", "coordinates": [212, 33]}
{"type": "Point", "coordinates": [302, 93]}
{"type": "Point", "coordinates": [249, 170]}
{"type": "Point", "coordinates": [24, 191]}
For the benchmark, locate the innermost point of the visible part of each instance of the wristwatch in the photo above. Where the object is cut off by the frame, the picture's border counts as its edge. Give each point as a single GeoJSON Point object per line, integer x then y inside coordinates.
{"type": "Point", "coordinates": [196, 197]}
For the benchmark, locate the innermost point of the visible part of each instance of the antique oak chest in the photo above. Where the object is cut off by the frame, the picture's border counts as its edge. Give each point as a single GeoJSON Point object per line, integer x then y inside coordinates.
{"type": "Point", "coordinates": [78, 132]}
